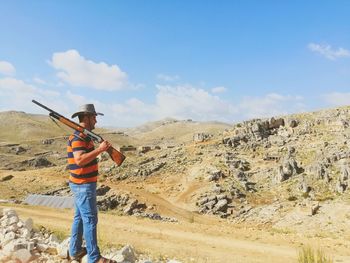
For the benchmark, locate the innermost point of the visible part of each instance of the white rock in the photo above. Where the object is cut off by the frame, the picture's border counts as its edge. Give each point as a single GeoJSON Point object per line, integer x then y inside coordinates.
{"type": "Point", "coordinates": [8, 238]}
{"type": "Point", "coordinates": [53, 239]}
{"type": "Point", "coordinates": [4, 254]}
{"type": "Point", "coordinates": [12, 228]}
{"type": "Point", "coordinates": [128, 253]}
{"type": "Point", "coordinates": [4, 257]}
{"type": "Point", "coordinates": [42, 247]}
{"type": "Point", "coordinates": [9, 212]}
{"type": "Point", "coordinates": [23, 255]}
{"type": "Point", "coordinates": [13, 220]}
{"type": "Point", "coordinates": [20, 224]}
{"type": "Point", "coordinates": [30, 246]}
{"type": "Point", "coordinates": [118, 257]}
{"type": "Point", "coordinates": [62, 249]}
{"type": "Point", "coordinates": [20, 244]}
{"type": "Point", "coordinates": [25, 233]}
{"type": "Point", "coordinates": [29, 224]}
{"type": "Point", "coordinates": [9, 247]}
{"type": "Point", "coordinates": [5, 221]}
{"type": "Point", "coordinates": [38, 236]}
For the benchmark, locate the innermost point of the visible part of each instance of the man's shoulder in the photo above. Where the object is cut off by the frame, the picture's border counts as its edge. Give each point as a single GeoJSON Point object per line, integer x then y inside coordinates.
{"type": "Point", "coordinates": [77, 136]}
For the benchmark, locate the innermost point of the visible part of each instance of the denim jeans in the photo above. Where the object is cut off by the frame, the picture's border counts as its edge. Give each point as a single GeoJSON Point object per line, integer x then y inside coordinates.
{"type": "Point", "coordinates": [84, 221]}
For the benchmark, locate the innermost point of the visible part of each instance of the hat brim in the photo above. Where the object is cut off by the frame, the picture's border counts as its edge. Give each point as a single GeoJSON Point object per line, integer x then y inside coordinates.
{"type": "Point", "coordinates": [86, 112]}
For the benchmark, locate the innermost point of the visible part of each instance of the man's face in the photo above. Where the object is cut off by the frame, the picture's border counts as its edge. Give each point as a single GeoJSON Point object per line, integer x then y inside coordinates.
{"type": "Point", "coordinates": [90, 120]}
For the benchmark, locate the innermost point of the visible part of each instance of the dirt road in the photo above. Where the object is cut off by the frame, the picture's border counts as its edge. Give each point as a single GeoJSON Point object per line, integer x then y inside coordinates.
{"type": "Point", "coordinates": [195, 238]}
{"type": "Point", "coordinates": [186, 241]}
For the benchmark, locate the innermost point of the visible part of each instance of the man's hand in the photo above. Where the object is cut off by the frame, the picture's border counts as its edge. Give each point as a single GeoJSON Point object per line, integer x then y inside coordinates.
{"type": "Point", "coordinates": [82, 158]}
{"type": "Point", "coordinates": [104, 146]}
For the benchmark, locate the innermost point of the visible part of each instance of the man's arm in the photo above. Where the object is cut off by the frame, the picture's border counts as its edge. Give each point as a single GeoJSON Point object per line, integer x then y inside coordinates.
{"type": "Point", "coordinates": [82, 158]}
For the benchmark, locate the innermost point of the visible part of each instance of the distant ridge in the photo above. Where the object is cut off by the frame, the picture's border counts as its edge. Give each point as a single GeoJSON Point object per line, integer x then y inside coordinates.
{"type": "Point", "coordinates": [20, 126]}
{"type": "Point", "coordinates": [149, 126]}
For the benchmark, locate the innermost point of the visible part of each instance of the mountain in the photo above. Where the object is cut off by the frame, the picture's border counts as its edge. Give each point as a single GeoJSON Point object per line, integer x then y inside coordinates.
{"type": "Point", "coordinates": [287, 176]}
{"type": "Point", "coordinates": [20, 126]}
{"type": "Point", "coordinates": [176, 131]}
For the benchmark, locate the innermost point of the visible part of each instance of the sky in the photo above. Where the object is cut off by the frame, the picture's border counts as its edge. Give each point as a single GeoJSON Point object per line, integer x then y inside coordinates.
{"type": "Point", "coordinates": [141, 61]}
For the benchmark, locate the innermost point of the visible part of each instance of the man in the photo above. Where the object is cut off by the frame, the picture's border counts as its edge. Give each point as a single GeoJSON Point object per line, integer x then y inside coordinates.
{"type": "Point", "coordinates": [82, 181]}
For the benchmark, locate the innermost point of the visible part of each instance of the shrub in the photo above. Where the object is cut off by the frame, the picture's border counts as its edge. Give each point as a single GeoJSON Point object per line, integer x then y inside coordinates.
{"type": "Point", "coordinates": [292, 198]}
{"type": "Point", "coordinates": [308, 255]}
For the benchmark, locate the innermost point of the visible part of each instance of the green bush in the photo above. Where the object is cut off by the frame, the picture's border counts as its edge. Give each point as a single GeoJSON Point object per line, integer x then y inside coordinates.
{"type": "Point", "coordinates": [292, 198]}
{"type": "Point", "coordinates": [308, 255]}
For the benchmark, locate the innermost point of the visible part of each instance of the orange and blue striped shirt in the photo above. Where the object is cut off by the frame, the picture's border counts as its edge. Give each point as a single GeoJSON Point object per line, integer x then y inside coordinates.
{"type": "Point", "coordinates": [81, 174]}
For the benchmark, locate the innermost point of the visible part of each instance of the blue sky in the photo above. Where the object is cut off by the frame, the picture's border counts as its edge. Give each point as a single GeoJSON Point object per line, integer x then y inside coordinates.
{"type": "Point", "coordinates": [142, 61]}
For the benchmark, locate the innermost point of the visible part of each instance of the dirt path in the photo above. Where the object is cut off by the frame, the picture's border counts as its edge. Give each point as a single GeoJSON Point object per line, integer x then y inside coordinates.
{"type": "Point", "coordinates": [164, 207]}
{"type": "Point", "coordinates": [189, 242]}
{"type": "Point", "coordinates": [196, 238]}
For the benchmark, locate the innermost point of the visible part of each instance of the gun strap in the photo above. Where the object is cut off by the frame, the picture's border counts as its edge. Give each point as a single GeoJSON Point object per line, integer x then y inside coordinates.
{"type": "Point", "coordinates": [76, 135]}
{"type": "Point", "coordinates": [57, 123]}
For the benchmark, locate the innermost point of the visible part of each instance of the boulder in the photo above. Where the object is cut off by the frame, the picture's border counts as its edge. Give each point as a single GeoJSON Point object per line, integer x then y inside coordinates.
{"type": "Point", "coordinates": [215, 175]}
{"type": "Point", "coordinates": [221, 206]}
{"type": "Point", "coordinates": [63, 248]}
{"type": "Point", "coordinates": [276, 123]}
{"type": "Point", "coordinates": [201, 137]}
{"type": "Point", "coordinates": [23, 255]}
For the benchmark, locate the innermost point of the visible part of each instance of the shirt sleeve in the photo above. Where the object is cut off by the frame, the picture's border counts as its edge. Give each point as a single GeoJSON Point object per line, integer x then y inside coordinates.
{"type": "Point", "coordinates": [78, 145]}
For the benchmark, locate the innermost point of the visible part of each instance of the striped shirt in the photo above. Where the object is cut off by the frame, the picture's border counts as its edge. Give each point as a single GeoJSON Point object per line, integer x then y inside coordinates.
{"type": "Point", "coordinates": [86, 173]}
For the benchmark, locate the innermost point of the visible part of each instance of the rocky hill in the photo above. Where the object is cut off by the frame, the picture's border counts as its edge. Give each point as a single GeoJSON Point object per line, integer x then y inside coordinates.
{"type": "Point", "coordinates": [297, 157]}
{"type": "Point", "coordinates": [288, 172]}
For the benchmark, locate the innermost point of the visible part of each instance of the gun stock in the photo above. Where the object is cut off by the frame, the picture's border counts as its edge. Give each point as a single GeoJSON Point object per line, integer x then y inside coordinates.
{"type": "Point", "coordinates": [116, 156]}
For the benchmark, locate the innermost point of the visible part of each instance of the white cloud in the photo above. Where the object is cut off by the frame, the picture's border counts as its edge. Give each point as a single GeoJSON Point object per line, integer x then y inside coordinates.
{"type": "Point", "coordinates": [76, 99]}
{"type": "Point", "coordinates": [18, 88]}
{"type": "Point", "coordinates": [168, 78]}
{"type": "Point", "coordinates": [189, 102]}
{"type": "Point", "coordinates": [270, 105]}
{"type": "Point", "coordinates": [39, 81]}
{"type": "Point", "coordinates": [17, 95]}
{"type": "Point", "coordinates": [128, 114]}
{"type": "Point", "coordinates": [337, 98]}
{"type": "Point", "coordinates": [6, 68]}
{"type": "Point", "coordinates": [219, 89]}
{"type": "Point", "coordinates": [75, 70]}
{"type": "Point", "coordinates": [181, 102]}
{"type": "Point", "coordinates": [327, 51]}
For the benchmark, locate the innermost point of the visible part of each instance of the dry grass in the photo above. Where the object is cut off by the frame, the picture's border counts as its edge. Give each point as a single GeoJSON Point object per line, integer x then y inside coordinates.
{"type": "Point", "coordinates": [308, 255]}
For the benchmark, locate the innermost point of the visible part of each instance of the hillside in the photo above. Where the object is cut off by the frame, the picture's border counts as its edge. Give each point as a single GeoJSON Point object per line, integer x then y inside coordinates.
{"type": "Point", "coordinates": [20, 126]}
{"type": "Point", "coordinates": [174, 131]}
{"type": "Point", "coordinates": [287, 175]}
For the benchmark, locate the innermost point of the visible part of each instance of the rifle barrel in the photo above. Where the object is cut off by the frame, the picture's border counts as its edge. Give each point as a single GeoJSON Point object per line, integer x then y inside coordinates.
{"type": "Point", "coordinates": [46, 108]}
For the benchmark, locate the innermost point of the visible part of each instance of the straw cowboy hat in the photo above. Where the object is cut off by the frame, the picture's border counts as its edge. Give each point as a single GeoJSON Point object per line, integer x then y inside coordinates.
{"type": "Point", "coordinates": [86, 109]}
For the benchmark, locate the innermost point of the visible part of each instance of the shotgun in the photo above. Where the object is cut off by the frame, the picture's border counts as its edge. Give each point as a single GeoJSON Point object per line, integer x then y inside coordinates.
{"type": "Point", "coordinates": [116, 156]}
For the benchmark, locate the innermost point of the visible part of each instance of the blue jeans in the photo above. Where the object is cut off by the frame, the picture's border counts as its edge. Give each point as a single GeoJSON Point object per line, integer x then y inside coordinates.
{"type": "Point", "coordinates": [84, 221]}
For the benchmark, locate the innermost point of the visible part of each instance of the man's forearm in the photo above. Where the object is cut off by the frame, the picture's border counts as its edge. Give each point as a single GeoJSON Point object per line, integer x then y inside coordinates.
{"type": "Point", "coordinates": [85, 158]}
